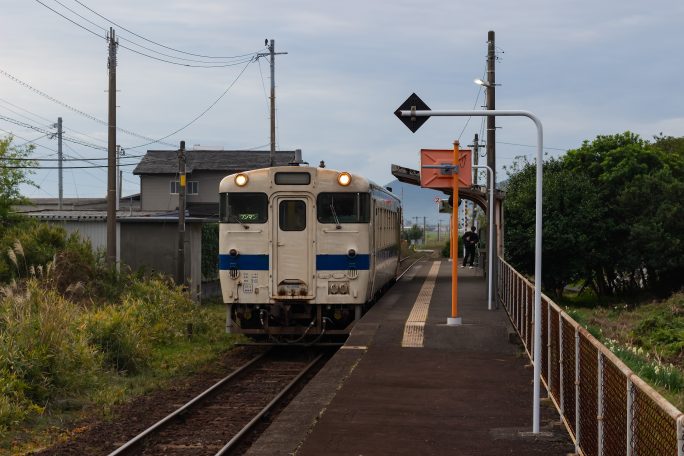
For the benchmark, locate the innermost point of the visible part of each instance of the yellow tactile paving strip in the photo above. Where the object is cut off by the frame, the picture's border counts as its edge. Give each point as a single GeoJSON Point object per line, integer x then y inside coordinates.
{"type": "Point", "coordinates": [415, 323]}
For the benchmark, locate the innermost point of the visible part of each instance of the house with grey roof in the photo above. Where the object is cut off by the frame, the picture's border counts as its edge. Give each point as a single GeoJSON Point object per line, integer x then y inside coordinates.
{"type": "Point", "coordinates": [158, 171]}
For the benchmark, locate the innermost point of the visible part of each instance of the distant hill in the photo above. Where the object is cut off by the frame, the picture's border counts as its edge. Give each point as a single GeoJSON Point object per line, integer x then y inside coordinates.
{"type": "Point", "coordinates": [418, 202]}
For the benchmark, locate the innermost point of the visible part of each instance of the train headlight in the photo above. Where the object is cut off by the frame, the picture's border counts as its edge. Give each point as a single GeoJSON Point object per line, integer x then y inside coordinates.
{"type": "Point", "coordinates": [241, 180]}
{"type": "Point", "coordinates": [351, 253]}
{"type": "Point", "coordinates": [333, 288]}
{"type": "Point", "coordinates": [344, 179]}
{"type": "Point", "coordinates": [233, 252]}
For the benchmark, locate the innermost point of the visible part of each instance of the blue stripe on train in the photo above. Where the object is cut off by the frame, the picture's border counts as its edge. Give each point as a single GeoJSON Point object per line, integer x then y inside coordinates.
{"type": "Point", "coordinates": [244, 262]}
{"type": "Point", "coordinates": [342, 262]}
{"type": "Point", "coordinates": [323, 262]}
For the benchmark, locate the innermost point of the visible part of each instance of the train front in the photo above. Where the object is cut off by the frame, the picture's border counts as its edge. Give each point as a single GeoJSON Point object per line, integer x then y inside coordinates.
{"type": "Point", "coordinates": [294, 247]}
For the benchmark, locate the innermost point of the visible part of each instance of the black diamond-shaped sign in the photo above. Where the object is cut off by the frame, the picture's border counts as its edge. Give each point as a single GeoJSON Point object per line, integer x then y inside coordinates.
{"type": "Point", "coordinates": [412, 102]}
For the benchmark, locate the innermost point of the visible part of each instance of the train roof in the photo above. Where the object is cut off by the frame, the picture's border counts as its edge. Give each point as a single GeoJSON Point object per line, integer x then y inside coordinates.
{"type": "Point", "coordinates": [365, 182]}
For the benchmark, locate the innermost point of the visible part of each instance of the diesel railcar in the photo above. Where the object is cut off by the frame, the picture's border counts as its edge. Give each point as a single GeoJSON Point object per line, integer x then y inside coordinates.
{"type": "Point", "coordinates": [303, 251]}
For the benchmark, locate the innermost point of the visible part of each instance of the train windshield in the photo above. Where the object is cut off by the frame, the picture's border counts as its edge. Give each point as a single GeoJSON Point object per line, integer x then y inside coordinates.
{"type": "Point", "coordinates": [243, 208]}
{"type": "Point", "coordinates": [343, 207]}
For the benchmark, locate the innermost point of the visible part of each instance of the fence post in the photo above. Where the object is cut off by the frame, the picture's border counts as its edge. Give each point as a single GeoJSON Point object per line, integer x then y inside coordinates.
{"type": "Point", "coordinates": [560, 365]}
{"type": "Point", "coordinates": [514, 301]}
{"type": "Point", "coordinates": [600, 405]}
{"type": "Point", "coordinates": [577, 391]}
{"type": "Point", "coordinates": [549, 377]}
{"type": "Point", "coordinates": [630, 415]}
{"type": "Point", "coordinates": [680, 435]}
{"type": "Point", "coordinates": [526, 314]}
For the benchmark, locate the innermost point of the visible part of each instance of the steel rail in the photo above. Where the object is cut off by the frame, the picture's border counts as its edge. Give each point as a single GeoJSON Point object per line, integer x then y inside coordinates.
{"type": "Point", "coordinates": [164, 421]}
{"type": "Point", "coordinates": [248, 427]}
{"type": "Point", "coordinates": [407, 269]}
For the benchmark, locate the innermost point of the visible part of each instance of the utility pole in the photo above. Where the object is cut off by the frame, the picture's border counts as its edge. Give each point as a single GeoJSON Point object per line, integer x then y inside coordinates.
{"type": "Point", "coordinates": [491, 145]}
{"type": "Point", "coordinates": [475, 145]}
{"type": "Point", "coordinates": [60, 158]}
{"type": "Point", "coordinates": [111, 151]}
{"type": "Point", "coordinates": [119, 175]}
{"type": "Point", "coordinates": [424, 233]}
{"type": "Point", "coordinates": [272, 53]}
{"type": "Point", "coordinates": [438, 223]}
{"type": "Point", "coordinates": [180, 266]}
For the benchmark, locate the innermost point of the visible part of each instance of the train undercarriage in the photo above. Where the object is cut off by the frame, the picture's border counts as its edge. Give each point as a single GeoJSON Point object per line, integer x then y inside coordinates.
{"type": "Point", "coordinates": [293, 321]}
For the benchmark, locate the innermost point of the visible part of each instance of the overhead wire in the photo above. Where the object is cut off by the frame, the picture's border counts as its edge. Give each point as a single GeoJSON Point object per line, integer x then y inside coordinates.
{"type": "Point", "coordinates": [200, 115]}
{"type": "Point", "coordinates": [26, 110]}
{"type": "Point", "coordinates": [71, 108]}
{"type": "Point", "coordinates": [479, 92]}
{"type": "Point", "coordinates": [42, 130]}
{"type": "Point", "coordinates": [127, 40]}
{"type": "Point", "coordinates": [209, 65]}
{"type": "Point", "coordinates": [159, 44]}
{"type": "Point", "coordinates": [29, 141]}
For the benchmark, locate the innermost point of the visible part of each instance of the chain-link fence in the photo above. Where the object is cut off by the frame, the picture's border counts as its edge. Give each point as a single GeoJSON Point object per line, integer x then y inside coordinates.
{"type": "Point", "coordinates": [606, 408]}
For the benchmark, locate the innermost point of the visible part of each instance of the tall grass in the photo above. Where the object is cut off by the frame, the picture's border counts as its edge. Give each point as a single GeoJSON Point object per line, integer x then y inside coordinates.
{"type": "Point", "coordinates": [43, 353]}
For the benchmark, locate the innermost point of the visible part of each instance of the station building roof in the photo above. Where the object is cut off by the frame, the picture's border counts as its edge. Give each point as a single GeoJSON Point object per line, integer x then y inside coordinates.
{"type": "Point", "coordinates": [226, 161]}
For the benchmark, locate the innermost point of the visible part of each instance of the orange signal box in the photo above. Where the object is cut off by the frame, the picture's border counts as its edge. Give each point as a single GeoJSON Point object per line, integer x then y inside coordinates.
{"type": "Point", "coordinates": [438, 178]}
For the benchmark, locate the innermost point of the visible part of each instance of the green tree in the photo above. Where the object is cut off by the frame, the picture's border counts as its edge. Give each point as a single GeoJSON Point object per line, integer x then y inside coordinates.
{"type": "Point", "coordinates": [12, 159]}
{"type": "Point", "coordinates": [570, 209]}
{"type": "Point", "coordinates": [414, 233]}
{"type": "Point", "coordinates": [640, 188]}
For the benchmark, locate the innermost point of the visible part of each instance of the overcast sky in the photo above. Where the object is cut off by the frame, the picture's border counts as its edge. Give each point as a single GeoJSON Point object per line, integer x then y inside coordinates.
{"type": "Point", "coordinates": [584, 67]}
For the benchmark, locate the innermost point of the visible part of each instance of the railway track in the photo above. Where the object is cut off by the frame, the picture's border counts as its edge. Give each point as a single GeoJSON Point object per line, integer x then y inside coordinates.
{"type": "Point", "coordinates": [216, 421]}
{"type": "Point", "coordinates": [406, 263]}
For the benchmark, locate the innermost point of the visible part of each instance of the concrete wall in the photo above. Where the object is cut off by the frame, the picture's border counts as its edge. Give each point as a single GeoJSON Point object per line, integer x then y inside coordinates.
{"type": "Point", "coordinates": [154, 245]}
{"type": "Point", "coordinates": [156, 194]}
{"type": "Point", "coordinates": [156, 190]}
{"type": "Point", "coordinates": [94, 231]}
{"type": "Point", "coordinates": [150, 245]}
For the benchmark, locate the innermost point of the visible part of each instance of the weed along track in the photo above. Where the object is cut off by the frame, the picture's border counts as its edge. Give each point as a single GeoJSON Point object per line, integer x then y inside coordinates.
{"type": "Point", "coordinates": [218, 419]}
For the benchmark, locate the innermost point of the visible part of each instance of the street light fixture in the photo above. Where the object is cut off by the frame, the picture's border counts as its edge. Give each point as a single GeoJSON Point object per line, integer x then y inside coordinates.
{"type": "Point", "coordinates": [484, 83]}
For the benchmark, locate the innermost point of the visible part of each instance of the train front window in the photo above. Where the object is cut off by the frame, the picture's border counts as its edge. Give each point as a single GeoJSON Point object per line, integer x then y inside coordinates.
{"type": "Point", "coordinates": [292, 215]}
{"type": "Point", "coordinates": [243, 207]}
{"type": "Point", "coordinates": [344, 207]}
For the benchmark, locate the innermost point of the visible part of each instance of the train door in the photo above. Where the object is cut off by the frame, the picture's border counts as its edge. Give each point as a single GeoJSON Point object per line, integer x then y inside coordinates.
{"type": "Point", "coordinates": [293, 263]}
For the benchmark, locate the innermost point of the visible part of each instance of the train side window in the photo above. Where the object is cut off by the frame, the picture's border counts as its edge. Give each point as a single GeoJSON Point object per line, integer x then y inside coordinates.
{"type": "Point", "coordinates": [292, 215]}
{"type": "Point", "coordinates": [243, 207]}
{"type": "Point", "coordinates": [343, 207]}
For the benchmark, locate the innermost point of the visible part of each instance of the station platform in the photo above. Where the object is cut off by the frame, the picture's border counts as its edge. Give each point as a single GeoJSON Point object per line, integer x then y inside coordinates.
{"type": "Point", "coordinates": [405, 383]}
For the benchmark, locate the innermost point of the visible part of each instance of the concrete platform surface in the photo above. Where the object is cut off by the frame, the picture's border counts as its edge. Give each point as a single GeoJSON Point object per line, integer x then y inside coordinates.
{"type": "Point", "coordinates": [461, 390]}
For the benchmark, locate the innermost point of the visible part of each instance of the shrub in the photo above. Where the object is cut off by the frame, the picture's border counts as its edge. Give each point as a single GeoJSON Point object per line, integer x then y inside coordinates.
{"type": "Point", "coordinates": [152, 312]}
{"type": "Point", "coordinates": [117, 336]}
{"type": "Point", "coordinates": [42, 352]}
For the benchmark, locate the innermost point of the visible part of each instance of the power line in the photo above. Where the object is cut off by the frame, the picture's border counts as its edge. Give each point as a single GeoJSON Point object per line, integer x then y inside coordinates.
{"type": "Point", "coordinates": [28, 141]}
{"type": "Point", "coordinates": [27, 111]}
{"type": "Point", "coordinates": [201, 114]}
{"type": "Point", "coordinates": [130, 41]}
{"type": "Point", "coordinates": [102, 122]}
{"type": "Point", "coordinates": [64, 167]}
{"type": "Point", "coordinates": [159, 44]}
{"type": "Point", "coordinates": [77, 111]}
{"type": "Point", "coordinates": [70, 20]}
{"type": "Point", "coordinates": [24, 117]}
{"type": "Point", "coordinates": [530, 145]}
{"type": "Point", "coordinates": [479, 92]}
{"type": "Point", "coordinates": [133, 50]}
{"type": "Point", "coordinates": [47, 132]}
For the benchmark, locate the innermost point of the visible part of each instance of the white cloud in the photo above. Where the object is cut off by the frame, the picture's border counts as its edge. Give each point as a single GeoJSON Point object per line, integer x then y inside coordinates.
{"type": "Point", "coordinates": [584, 67]}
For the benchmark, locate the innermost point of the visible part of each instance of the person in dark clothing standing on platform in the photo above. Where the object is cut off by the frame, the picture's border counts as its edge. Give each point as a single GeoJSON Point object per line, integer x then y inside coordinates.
{"type": "Point", "coordinates": [470, 240]}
